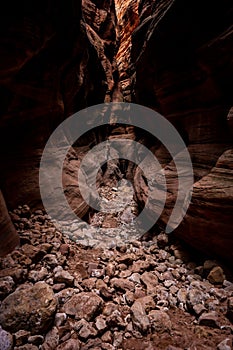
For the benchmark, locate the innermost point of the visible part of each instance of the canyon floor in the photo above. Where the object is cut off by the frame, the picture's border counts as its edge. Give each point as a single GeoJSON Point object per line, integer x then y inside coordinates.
{"type": "Point", "coordinates": [148, 293]}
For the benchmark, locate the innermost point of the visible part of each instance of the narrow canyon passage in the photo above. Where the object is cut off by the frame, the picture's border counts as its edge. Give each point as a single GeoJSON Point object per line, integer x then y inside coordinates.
{"type": "Point", "coordinates": [98, 284]}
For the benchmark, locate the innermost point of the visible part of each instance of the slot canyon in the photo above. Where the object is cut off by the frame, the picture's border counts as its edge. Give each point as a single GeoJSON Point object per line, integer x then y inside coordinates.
{"type": "Point", "coordinates": [74, 289]}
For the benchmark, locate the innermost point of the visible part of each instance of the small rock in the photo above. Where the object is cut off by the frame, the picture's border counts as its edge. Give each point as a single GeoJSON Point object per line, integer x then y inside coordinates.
{"type": "Point", "coordinates": [150, 280]}
{"type": "Point", "coordinates": [216, 275]}
{"type": "Point", "coordinates": [127, 259]}
{"type": "Point", "coordinates": [209, 265]}
{"type": "Point", "coordinates": [6, 340]}
{"type": "Point", "coordinates": [28, 347]}
{"type": "Point", "coordinates": [199, 309]}
{"type": "Point", "coordinates": [136, 278]}
{"type": "Point", "coordinates": [110, 269]}
{"type": "Point", "coordinates": [21, 337]}
{"type": "Point", "coordinates": [36, 339]}
{"type": "Point", "coordinates": [36, 303]}
{"type": "Point", "coordinates": [64, 249]}
{"type": "Point", "coordinates": [122, 284]}
{"type": "Point", "coordinates": [226, 344]}
{"type": "Point", "coordinates": [36, 276]}
{"type": "Point", "coordinates": [83, 305]}
{"type": "Point", "coordinates": [209, 319]}
{"type": "Point", "coordinates": [51, 260]}
{"type": "Point", "coordinates": [107, 337]}
{"type": "Point", "coordinates": [6, 286]}
{"type": "Point", "coordinates": [160, 321]}
{"type": "Point", "coordinates": [32, 252]}
{"type": "Point", "coordinates": [129, 297]}
{"type": "Point", "coordinates": [139, 317]}
{"type": "Point", "coordinates": [194, 297]}
{"type": "Point", "coordinates": [71, 344]}
{"type": "Point", "coordinates": [60, 318]}
{"type": "Point", "coordinates": [100, 323]}
{"type": "Point", "coordinates": [51, 340]}
{"type": "Point", "coordinates": [140, 266]}
{"type": "Point", "coordinates": [147, 303]}
{"type": "Point", "coordinates": [63, 277]}
{"type": "Point", "coordinates": [230, 309]}
{"type": "Point", "coordinates": [162, 240]}
{"type": "Point", "coordinates": [64, 295]}
{"type": "Point", "coordinates": [182, 296]}
{"type": "Point", "coordinates": [84, 329]}
{"type": "Point", "coordinates": [109, 308]}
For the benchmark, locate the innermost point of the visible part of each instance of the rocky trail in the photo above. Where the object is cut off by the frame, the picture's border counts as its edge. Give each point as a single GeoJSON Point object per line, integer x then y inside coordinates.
{"type": "Point", "coordinates": [97, 284]}
{"type": "Point", "coordinates": [142, 294]}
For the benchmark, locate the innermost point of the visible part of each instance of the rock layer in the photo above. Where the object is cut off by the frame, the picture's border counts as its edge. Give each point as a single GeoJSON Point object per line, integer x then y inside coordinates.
{"type": "Point", "coordinates": [183, 69]}
{"type": "Point", "coordinates": [55, 60]}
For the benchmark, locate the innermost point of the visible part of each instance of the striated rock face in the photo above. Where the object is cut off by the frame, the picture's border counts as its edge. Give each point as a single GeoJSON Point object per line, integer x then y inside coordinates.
{"type": "Point", "coordinates": [168, 55]}
{"type": "Point", "coordinates": [55, 60]}
{"type": "Point", "coordinates": [183, 69]}
{"type": "Point", "coordinates": [128, 19]}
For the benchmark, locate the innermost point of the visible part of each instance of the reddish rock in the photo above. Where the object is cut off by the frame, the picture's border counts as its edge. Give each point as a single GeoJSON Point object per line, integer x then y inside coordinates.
{"type": "Point", "coordinates": [83, 305]}
{"type": "Point", "coordinates": [28, 308]}
{"type": "Point", "coordinates": [188, 81]}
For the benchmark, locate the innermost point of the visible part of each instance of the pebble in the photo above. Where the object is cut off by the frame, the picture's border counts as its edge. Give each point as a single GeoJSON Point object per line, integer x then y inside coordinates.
{"type": "Point", "coordinates": [82, 298]}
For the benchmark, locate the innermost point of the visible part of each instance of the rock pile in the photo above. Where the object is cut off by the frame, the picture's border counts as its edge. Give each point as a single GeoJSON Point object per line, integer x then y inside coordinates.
{"type": "Point", "coordinates": [143, 294]}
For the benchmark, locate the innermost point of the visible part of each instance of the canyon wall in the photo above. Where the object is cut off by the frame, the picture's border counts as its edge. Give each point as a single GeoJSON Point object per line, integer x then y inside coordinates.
{"type": "Point", "coordinates": [56, 58]}
{"type": "Point", "coordinates": [182, 53]}
{"type": "Point", "coordinates": [172, 56]}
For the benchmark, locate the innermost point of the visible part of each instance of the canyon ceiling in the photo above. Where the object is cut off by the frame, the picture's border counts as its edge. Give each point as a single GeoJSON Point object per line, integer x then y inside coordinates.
{"type": "Point", "coordinates": [173, 56]}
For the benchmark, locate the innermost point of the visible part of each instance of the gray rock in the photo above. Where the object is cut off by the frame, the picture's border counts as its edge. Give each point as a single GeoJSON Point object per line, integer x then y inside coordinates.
{"type": "Point", "coordinates": [28, 308]}
{"type": "Point", "coordinates": [199, 309]}
{"type": "Point", "coordinates": [60, 318]}
{"type": "Point", "coordinates": [194, 297]}
{"type": "Point", "coordinates": [6, 340]}
{"type": "Point", "coordinates": [100, 323]}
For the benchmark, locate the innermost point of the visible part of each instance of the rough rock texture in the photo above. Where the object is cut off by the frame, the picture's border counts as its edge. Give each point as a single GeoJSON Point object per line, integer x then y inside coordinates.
{"type": "Point", "coordinates": [127, 21]}
{"type": "Point", "coordinates": [9, 237]}
{"type": "Point", "coordinates": [183, 69]}
{"type": "Point", "coordinates": [28, 308]}
{"type": "Point", "coordinates": [167, 304]}
{"type": "Point", "coordinates": [55, 60]}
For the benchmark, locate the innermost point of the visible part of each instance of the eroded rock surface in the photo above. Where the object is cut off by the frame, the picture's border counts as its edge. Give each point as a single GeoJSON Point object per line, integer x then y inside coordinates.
{"type": "Point", "coordinates": [167, 304]}
{"type": "Point", "coordinates": [182, 55]}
